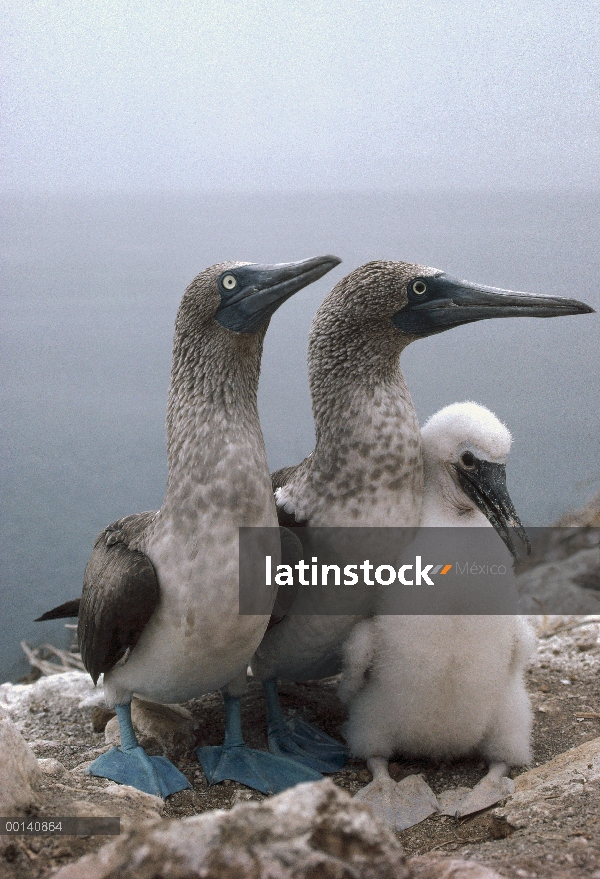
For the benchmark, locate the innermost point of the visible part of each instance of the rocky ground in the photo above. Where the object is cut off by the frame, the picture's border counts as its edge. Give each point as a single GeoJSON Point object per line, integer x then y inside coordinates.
{"type": "Point", "coordinates": [550, 827]}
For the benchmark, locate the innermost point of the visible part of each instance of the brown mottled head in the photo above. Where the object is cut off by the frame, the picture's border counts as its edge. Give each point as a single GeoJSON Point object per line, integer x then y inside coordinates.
{"type": "Point", "coordinates": [380, 307]}
{"type": "Point", "coordinates": [220, 327]}
{"type": "Point", "coordinates": [213, 366]}
{"type": "Point", "coordinates": [227, 307]}
{"type": "Point", "coordinates": [242, 297]}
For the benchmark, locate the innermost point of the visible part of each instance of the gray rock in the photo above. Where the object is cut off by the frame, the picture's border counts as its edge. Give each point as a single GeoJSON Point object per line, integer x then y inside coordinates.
{"type": "Point", "coordinates": [432, 867]}
{"type": "Point", "coordinates": [134, 807]}
{"type": "Point", "coordinates": [64, 792]}
{"type": "Point", "coordinates": [54, 769]}
{"type": "Point", "coordinates": [100, 717]}
{"type": "Point", "coordinates": [567, 586]}
{"type": "Point", "coordinates": [20, 774]}
{"type": "Point", "coordinates": [587, 516]}
{"type": "Point", "coordinates": [313, 830]}
{"type": "Point", "coordinates": [542, 792]}
{"type": "Point", "coordinates": [71, 690]}
{"type": "Point", "coordinates": [557, 543]}
{"type": "Point", "coordinates": [171, 726]}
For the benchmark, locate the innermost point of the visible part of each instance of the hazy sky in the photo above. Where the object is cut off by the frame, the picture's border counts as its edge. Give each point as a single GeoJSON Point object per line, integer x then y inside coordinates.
{"type": "Point", "coordinates": [299, 93]}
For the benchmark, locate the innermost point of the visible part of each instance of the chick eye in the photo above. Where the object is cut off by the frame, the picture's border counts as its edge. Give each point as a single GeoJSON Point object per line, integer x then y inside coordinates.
{"type": "Point", "coordinates": [419, 287]}
{"type": "Point", "coordinates": [229, 282]}
{"type": "Point", "coordinates": [468, 459]}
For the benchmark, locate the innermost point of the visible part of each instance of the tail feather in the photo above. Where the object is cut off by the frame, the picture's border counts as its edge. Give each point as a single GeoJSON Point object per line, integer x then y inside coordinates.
{"type": "Point", "coordinates": [68, 610]}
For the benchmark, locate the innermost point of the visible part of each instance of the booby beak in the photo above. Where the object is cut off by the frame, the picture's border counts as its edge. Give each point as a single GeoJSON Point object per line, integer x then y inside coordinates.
{"type": "Point", "coordinates": [440, 302]}
{"type": "Point", "coordinates": [485, 483]}
{"type": "Point", "coordinates": [251, 294]}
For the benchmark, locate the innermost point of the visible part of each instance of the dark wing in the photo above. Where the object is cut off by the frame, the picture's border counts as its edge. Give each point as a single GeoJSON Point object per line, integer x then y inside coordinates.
{"type": "Point", "coordinates": [120, 594]}
{"type": "Point", "coordinates": [278, 479]}
{"type": "Point", "coordinates": [291, 553]}
{"type": "Point", "coordinates": [68, 610]}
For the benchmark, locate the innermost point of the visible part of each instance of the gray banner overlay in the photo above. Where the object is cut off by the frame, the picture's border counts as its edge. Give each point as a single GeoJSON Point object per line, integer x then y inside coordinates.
{"type": "Point", "coordinates": [60, 826]}
{"type": "Point", "coordinates": [363, 571]}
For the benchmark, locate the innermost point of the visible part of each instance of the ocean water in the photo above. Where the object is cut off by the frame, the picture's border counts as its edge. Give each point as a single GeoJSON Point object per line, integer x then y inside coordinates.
{"type": "Point", "coordinates": [90, 289]}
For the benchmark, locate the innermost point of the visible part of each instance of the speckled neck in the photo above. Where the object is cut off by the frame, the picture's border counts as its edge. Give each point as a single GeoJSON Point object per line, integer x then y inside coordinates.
{"type": "Point", "coordinates": [346, 390]}
{"type": "Point", "coordinates": [214, 440]}
{"type": "Point", "coordinates": [368, 435]}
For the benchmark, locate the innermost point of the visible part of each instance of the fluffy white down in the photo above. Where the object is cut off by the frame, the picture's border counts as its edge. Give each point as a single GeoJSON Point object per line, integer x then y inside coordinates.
{"type": "Point", "coordinates": [458, 426]}
{"type": "Point", "coordinates": [442, 686]}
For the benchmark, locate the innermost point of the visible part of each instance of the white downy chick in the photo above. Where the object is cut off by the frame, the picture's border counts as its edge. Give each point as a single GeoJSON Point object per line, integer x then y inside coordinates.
{"type": "Point", "coordinates": [445, 686]}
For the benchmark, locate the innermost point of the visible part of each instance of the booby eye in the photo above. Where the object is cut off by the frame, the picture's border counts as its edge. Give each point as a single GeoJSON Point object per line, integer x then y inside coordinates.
{"type": "Point", "coordinates": [468, 459]}
{"type": "Point", "coordinates": [229, 282]}
{"type": "Point", "coordinates": [419, 287]}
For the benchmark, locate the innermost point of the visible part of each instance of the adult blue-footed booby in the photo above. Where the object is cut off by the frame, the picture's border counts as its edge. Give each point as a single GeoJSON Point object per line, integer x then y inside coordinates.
{"type": "Point", "coordinates": [159, 612]}
{"type": "Point", "coordinates": [366, 468]}
{"type": "Point", "coordinates": [445, 686]}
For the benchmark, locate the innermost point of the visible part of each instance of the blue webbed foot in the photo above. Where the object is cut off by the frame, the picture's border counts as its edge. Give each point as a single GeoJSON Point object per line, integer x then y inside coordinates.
{"type": "Point", "coordinates": [299, 740]}
{"type": "Point", "coordinates": [259, 770]}
{"type": "Point", "coordinates": [154, 775]}
{"type": "Point", "coordinates": [306, 744]}
{"type": "Point", "coordinates": [264, 772]}
{"type": "Point", "coordinates": [130, 764]}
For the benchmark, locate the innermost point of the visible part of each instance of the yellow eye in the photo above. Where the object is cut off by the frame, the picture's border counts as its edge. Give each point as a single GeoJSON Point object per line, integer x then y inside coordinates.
{"type": "Point", "coordinates": [229, 282]}
{"type": "Point", "coordinates": [419, 287]}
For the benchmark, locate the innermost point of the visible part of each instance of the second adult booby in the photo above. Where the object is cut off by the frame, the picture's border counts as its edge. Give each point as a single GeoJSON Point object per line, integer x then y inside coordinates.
{"type": "Point", "coordinates": [366, 468]}
{"type": "Point", "coordinates": [159, 613]}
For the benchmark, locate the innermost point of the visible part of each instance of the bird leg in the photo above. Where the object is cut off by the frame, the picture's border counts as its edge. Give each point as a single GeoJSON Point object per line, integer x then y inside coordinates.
{"type": "Point", "coordinates": [492, 788]}
{"type": "Point", "coordinates": [130, 764]}
{"type": "Point", "coordinates": [398, 804]}
{"type": "Point", "coordinates": [267, 773]}
{"type": "Point", "coordinates": [298, 740]}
